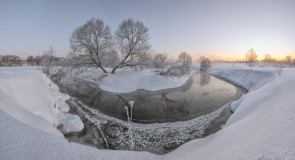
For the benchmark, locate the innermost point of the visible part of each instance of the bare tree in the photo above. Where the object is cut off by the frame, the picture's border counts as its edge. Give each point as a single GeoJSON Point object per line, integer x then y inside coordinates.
{"type": "Point", "coordinates": [132, 38]}
{"type": "Point", "coordinates": [279, 67]}
{"type": "Point", "coordinates": [91, 41]}
{"type": "Point", "coordinates": [47, 60]}
{"type": "Point", "coordinates": [251, 57]}
{"type": "Point", "coordinates": [205, 64]}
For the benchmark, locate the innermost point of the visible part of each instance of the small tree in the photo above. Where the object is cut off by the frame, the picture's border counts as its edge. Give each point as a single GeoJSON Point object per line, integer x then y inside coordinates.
{"type": "Point", "coordinates": [267, 58]}
{"type": "Point", "coordinates": [205, 64]}
{"type": "Point", "coordinates": [160, 61]}
{"type": "Point", "coordinates": [91, 41]}
{"type": "Point", "coordinates": [279, 67]}
{"type": "Point", "coordinates": [251, 57]}
{"type": "Point", "coordinates": [47, 60]}
{"type": "Point", "coordinates": [132, 38]}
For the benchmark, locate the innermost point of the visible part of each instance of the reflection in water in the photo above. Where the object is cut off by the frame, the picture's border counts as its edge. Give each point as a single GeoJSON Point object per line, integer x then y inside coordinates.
{"type": "Point", "coordinates": [204, 78]}
{"type": "Point", "coordinates": [201, 94]}
{"type": "Point", "coordinates": [171, 107]}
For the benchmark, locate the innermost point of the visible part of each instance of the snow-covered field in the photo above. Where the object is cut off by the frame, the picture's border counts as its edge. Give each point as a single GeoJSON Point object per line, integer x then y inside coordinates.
{"type": "Point", "coordinates": [262, 126]}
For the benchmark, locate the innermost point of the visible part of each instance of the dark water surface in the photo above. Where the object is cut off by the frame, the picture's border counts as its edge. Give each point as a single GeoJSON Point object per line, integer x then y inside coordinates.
{"type": "Point", "coordinates": [201, 94]}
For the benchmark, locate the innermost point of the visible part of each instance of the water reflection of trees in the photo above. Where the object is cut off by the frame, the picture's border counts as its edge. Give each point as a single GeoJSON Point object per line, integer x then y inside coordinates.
{"type": "Point", "coordinates": [188, 84]}
{"type": "Point", "coordinates": [204, 79]}
{"type": "Point", "coordinates": [170, 107]}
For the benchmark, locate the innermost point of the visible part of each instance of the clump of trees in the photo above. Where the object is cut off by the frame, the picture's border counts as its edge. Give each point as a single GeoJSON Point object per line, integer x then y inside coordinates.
{"type": "Point", "coordinates": [33, 60]}
{"type": "Point", "coordinates": [10, 60]}
{"type": "Point", "coordinates": [169, 67]}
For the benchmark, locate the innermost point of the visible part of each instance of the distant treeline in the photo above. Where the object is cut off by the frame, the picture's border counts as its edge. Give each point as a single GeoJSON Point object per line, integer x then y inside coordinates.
{"type": "Point", "coordinates": [14, 60]}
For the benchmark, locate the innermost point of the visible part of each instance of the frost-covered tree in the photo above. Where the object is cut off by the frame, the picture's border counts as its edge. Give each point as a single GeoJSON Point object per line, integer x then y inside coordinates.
{"type": "Point", "coordinates": [160, 61]}
{"type": "Point", "coordinates": [251, 57]}
{"type": "Point", "coordinates": [177, 68]}
{"type": "Point", "coordinates": [91, 42]}
{"type": "Point", "coordinates": [205, 64]}
{"type": "Point", "coordinates": [132, 39]}
{"type": "Point", "coordinates": [185, 59]}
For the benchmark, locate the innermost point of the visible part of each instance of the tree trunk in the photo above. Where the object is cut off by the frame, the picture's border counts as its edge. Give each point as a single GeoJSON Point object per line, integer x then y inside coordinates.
{"type": "Point", "coordinates": [114, 69]}
{"type": "Point", "coordinates": [103, 69]}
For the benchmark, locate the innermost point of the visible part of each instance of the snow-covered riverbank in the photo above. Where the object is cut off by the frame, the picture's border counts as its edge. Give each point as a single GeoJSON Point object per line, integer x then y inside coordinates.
{"type": "Point", "coordinates": [29, 96]}
{"type": "Point", "coordinates": [262, 126]}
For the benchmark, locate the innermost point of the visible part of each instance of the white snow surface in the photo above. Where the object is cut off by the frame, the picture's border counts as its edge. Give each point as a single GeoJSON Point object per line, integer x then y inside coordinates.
{"type": "Point", "coordinates": [124, 81]}
{"type": "Point", "coordinates": [262, 126]}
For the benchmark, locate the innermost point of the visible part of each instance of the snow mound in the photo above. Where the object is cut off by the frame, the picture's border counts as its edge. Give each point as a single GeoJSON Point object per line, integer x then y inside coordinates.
{"type": "Point", "coordinates": [71, 123]}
